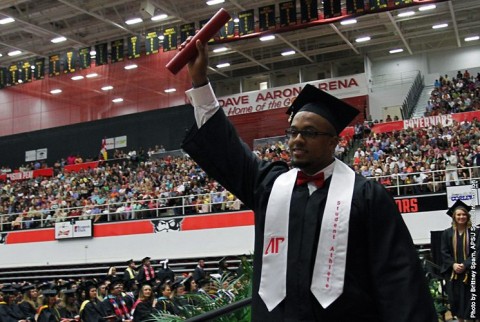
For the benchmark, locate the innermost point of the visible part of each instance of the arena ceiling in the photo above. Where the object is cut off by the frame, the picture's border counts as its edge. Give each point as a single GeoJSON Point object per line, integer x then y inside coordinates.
{"type": "Point", "coordinates": [88, 22]}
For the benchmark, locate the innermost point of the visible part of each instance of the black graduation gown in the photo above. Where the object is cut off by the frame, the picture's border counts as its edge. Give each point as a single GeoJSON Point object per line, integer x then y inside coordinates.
{"type": "Point", "coordinates": [49, 315]}
{"type": "Point", "coordinates": [164, 274]}
{"type": "Point", "coordinates": [143, 311]}
{"type": "Point", "coordinates": [199, 274]}
{"type": "Point", "coordinates": [28, 310]}
{"type": "Point", "coordinates": [458, 291]}
{"type": "Point", "coordinates": [92, 312]}
{"type": "Point", "coordinates": [10, 314]}
{"type": "Point", "coordinates": [384, 279]}
{"type": "Point", "coordinates": [166, 305]}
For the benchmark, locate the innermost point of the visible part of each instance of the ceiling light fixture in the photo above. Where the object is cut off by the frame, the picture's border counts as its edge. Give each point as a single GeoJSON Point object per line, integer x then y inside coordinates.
{"type": "Point", "coordinates": [4, 21]}
{"type": "Point", "coordinates": [223, 65]}
{"type": "Point", "coordinates": [348, 22]}
{"type": "Point", "coordinates": [107, 88]}
{"type": "Point", "coordinates": [473, 38]}
{"type": "Point", "coordinates": [93, 53]}
{"type": "Point", "coordinates": [363, 39]}
{"type": "Point", "coordinates": [170, 90]}
{"type": "Point", "coordinates": [117, 100]}
{"type": "Point", "coordinates": [159, 17]}
{"type": "Point", "coordinates": [14, 53]}
{"type": "Point", "coordinates": [427, 7]}
{"type": "Point", "coordinates": [133, 21]}
{"type": "Point", "coordinates": [288, 53]}
{"type": "Point", "coordinates": [92, 75]}
{"type": "Point", "coordinates": [406, 14]}
{"type": "Point", "coordinates": [395, 51]}
{"type": "Point", "coordinates": [220, 49]}
{"type": "Point", "coordinates": [442, 25]}
{"type": "Point", "coordinates": [55, 91]}
{"type": "Point", "coordinates": [79, 77]}
{"type": "Point", "coordinates": [58, 39]}
{"type": "Point", "coordinates": [267, 38]}
{"type": "Point", "coordinates": [236, 20]}
{"type": "Point", "coordinates": [161, 37]}
{"type": "Point", "coordinates": [131, 66]}
{"type": "Point", "coordinates": [214, 2]}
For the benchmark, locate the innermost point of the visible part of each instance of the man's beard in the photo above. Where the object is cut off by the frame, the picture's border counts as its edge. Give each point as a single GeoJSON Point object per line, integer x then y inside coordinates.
{"type": "Point", "coordinates": [299, 163]}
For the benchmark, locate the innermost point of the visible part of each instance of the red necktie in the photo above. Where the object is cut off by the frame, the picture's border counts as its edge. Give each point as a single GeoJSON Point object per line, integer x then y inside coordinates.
{"type": "Point", "coordinates": [303, 178]}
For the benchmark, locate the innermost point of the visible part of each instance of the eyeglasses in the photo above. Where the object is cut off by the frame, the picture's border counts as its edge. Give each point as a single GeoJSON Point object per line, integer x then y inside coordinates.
{"type": "Point", "coordinates": [306, 134]}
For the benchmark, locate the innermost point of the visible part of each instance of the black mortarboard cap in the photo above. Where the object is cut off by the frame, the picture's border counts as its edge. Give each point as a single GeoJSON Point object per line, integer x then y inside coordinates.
{"type": "Point", "coordinates": [115, 281]}
{"type": "Point", "coordinates": [458, 204]}
{"type": "Point", "coordinates": [8, 290]}
{"type": "Point", "coordinates": [178, 282]}
{"type": "Point", "coordinates": [145, 259]}
{"type": "Point", "coordinates": [28, 287]}
{"type": "Point", "coordinates": [49, 292]}
{"type": "Point", "coordinates": [130, 261]}
{"type": "Point", "coordinates": [88, 284]}
{"type": "Point", "coordinates": [69, 292]}
{"type": "Point", "coordinates": [335, 111]}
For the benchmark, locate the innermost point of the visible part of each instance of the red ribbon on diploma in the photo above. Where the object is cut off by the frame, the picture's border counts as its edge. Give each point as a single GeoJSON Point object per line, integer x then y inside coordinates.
{"type": "Point", "coordinates": [204, 34]}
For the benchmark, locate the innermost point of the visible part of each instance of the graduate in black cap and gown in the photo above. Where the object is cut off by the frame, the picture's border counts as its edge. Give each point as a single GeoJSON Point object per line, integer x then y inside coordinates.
{"type": "Point", "coordinates": [146, 273]}
{"type": "Point", "coordinates": [49, 311]}
{"type": "Point", "coordinates": [129, 275]}
{"type": "Point", "coordinates": [457, 259]}
{"type": "Point", "coordinates": [9, 311]}
{"type": "Point", "coordinates": [91, 310]}
{"type": "Point", "coordinates": [29, 304]}
{"type": "Point", "coordinates": [336, 250]}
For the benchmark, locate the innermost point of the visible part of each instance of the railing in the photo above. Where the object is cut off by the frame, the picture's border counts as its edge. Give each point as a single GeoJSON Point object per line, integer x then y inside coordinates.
{"type": "Point", "coordinates": [229, 308]}
{"type": "Point", "coordinates": [397, 183]}
{"type": "Point", "coordinates": [412, 97]}
{"type": "Point", "coordinates": [435, 181]}
{"type": "Point", "coordinates": [118, 211]}
{"type": "Point", "coordinates": [393, 79]}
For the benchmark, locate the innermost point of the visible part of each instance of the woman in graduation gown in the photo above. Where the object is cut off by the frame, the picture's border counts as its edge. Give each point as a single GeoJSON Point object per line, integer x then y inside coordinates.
{"type": "Point", "coordinates": [29, 304]}
{"type": "Point", "coordinates": [144, 307]}
{"type": "Point", "coordinates": [8, 310]}
{"type": "Point", "coordinates": [91, 309]}
{"type": "Point", "coordinates": [49, 311]}
{"type": "Point", "coordinates": [164, 302]}
{"type": "Point", "coordinates": [383, 279]}
{"type": "Point", "coordinates": [457, 260]}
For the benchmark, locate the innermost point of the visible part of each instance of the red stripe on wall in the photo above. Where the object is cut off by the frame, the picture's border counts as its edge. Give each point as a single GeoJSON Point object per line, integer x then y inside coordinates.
{"type": "Point", "coordinates": [123, 228]}
{"type": "Point", "coordinates": [244, 218]}
{"type": "Point", "coordinates": [20, 237]}
{"type": "Point", "coordinates": [236, 219]}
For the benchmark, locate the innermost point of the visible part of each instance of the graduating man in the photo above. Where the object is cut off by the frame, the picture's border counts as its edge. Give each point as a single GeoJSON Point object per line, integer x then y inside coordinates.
{"type": "Point", "coordinates": [332, 249]}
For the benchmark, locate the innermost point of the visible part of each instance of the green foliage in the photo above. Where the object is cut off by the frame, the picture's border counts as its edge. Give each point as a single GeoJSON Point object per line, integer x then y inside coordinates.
{"type": "Point", "coordinates": [438, 298]}
{"type": "Point", "coordinates": [225, 290]}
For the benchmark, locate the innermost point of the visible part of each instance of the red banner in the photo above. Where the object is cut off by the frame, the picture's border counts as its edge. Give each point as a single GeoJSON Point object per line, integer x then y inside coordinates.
{"type": "Point", "coordinates": [81, 166]}
{"type": "Point", "coordinates": [14, 176]}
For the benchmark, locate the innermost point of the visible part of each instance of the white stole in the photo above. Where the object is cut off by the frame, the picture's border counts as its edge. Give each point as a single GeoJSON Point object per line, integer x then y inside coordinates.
{"type": "Point", "coordinates": [329, 270]}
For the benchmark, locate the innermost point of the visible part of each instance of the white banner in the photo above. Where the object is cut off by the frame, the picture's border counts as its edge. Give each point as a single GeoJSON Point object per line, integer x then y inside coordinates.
{"type": "Point", "coordinates": [421, 122]}
{"type": "Point", "coordinates": [281, 97]}
{"type": "Point", "coordinates": [73, 229]}
{"type": "Point", "coordinates": [121, 142]}
{"type": "Point", "coordinates": [464, 193]}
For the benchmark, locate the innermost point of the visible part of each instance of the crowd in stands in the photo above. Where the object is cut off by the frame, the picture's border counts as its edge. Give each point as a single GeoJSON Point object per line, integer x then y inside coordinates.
{"type": "Point", "coordinates": [458, 94]}
{"type": "Point", "coordinates": [131, 186]}
{"type": "Point", "coordinates": [134, 185]}
{"type": "Point", "coordinates": [134, 294]}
